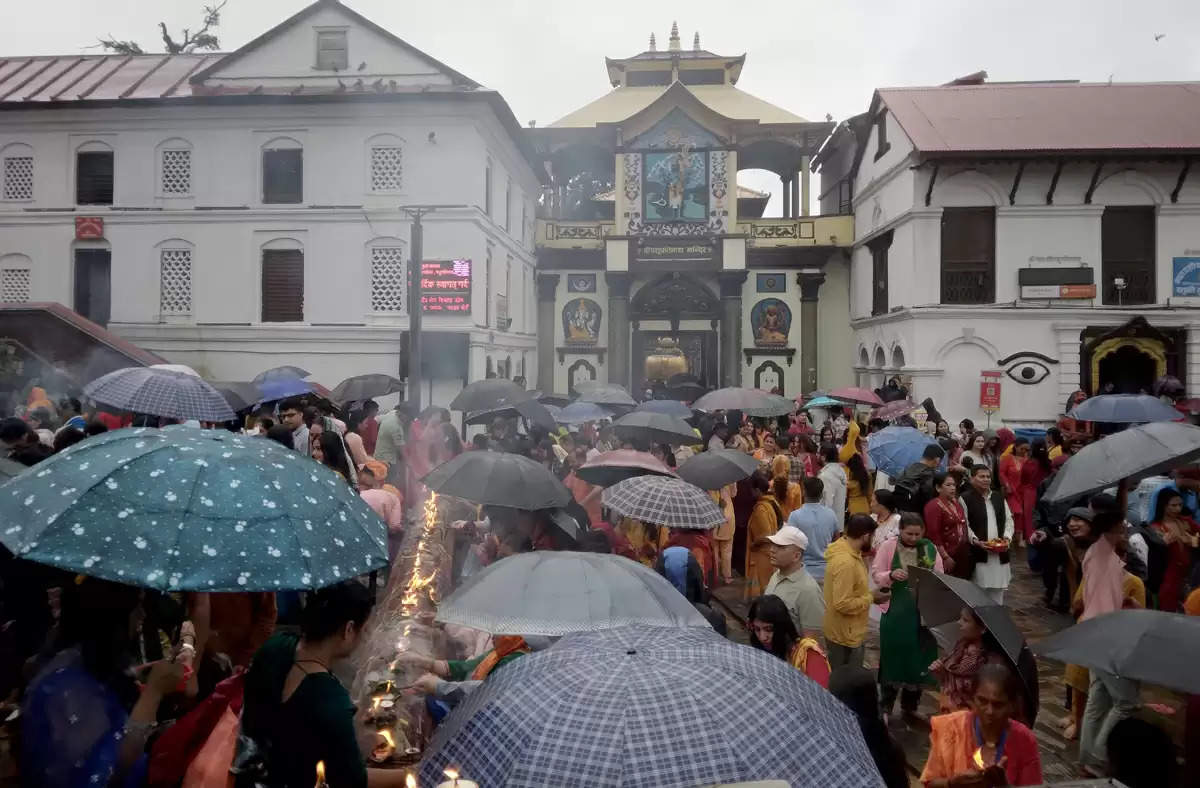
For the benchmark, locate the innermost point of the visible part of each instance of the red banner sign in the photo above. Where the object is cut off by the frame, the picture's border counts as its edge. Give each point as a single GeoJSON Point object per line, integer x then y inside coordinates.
{"type": "Point", "coordinates": [989, 392]}
{"type": "Point", "coordinates": [445, 286]}
{"type": "Point", "coordinates": [88, 228]}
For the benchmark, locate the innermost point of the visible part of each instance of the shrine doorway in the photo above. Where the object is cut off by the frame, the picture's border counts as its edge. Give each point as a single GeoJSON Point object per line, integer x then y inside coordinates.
{"type": "Point", "coordinates": [675, 310]}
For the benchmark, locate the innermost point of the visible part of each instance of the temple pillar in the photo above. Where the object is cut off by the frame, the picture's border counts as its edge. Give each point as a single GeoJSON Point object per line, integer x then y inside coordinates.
{"type": "Point", "coordinates": [804, 175]}
{"type": "Point", "coordinates": [731, 326]}
{"type": "Point", "coordinates": [796, 206]}
{"type": "Point", "coordinates": [787, 196]}
{"type": "Point", "coordinates": [810, 281]}
{"type": "Point", "coordinates": [547, 290]}
{"type": "Point", "coordinates": [618, 327]}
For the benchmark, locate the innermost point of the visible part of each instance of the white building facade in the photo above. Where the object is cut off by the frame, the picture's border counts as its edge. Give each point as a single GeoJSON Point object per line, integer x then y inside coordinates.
{"type": "Point", "coordinates": [249, 204]}
{"type": "Point", "coordinates": [1049, 231]}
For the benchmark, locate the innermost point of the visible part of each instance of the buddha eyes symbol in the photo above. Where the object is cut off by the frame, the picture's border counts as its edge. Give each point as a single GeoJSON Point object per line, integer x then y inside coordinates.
{"type": "Point", "coordinates": [1027, 368]}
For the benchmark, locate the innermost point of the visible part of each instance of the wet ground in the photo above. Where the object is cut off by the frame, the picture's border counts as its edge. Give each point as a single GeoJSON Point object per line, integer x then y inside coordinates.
{"type": "Point", "coordinates": [1024, 600]}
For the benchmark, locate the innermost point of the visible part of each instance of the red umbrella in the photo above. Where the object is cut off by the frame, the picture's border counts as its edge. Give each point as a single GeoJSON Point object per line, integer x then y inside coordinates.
{"type": "Point", "coordinates": [615, 466]}
{"type": "Point", "coordinates": [1188, 406]}
{"type": "Point", "coordinates": [856, 395]}
{"type": "Point", "coordinates": [894, 409]}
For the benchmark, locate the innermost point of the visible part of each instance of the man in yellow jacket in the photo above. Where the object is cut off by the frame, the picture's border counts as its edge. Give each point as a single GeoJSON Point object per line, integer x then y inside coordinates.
{"type": "Point", "coordinates": [848, 594]}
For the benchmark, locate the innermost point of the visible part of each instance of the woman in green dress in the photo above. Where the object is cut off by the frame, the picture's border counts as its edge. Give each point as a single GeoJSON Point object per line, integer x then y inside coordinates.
{"type": "Point", "coordinates": [904, 653]}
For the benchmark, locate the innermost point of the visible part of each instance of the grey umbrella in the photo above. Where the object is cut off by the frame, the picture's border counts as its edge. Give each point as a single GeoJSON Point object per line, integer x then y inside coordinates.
{"type": "Point", "coordinates": [751, 401]}
{"type": "Point", "coordinates": [715, 468]}
{"type": "Point", "coordinates": [160, 392]}
{"type": "Point", "coordinates": [639, 706]}
{"type": "Point", "coordinates": [239, 395]}
{"type": "Point", "coordinates": [363, 387]}
{"type": "Point", "coordinates": [664, 500]}
{"type": "Point", "coordinates": [581, 413]}
{"type": "Point", "coordinates": [488, 394]}
{"type": "Point", "coordinates": [655, 428]}
{"type": "Point", "coordinates": [1131, 454]}
{"type": "Point", "coordinates": [286, 372]}
{"type": "Point", "coordinates": [531, 409]}
{"type": "Point", "coordinates": [553, 593]}
{"type": "Point", "coordinates": [1146, 645]}
{"type": "Point", "coordinates": [1124, 409]}
{"type": "Point", "coordinates": [671, 407]}
{"type": "Point", "coordinates": [498, 479]}
{"type": "Point", "coordinates": [606, 394]}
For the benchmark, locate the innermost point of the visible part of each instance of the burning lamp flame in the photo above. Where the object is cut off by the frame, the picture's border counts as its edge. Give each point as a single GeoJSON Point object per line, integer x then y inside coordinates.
{"type": "Point", "coordinates": [320, 774]}
{"type": "Point", "coordinates": [977, 758]}
{"type": "Point", "coordinates": [387, 736]}
{"type": "Point", "coordinates": [410, 781]}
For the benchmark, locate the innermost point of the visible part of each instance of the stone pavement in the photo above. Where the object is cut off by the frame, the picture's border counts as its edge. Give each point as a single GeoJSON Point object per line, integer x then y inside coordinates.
{"type": "Point", "coordinates": [1024, 600]}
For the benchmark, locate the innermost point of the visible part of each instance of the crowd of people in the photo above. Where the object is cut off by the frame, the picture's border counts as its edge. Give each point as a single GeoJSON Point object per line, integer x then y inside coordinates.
{"type": "Point", "coordinates": [823, 541]}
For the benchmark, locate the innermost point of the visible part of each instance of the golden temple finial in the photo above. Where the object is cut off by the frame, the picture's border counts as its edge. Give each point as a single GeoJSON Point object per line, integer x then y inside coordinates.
{"type": "Point", "coordinates": [696, 41]}
{"type": "Point", "coordinates": [674, 43]}
{"type": "Point", "coordinates": [653, 45]}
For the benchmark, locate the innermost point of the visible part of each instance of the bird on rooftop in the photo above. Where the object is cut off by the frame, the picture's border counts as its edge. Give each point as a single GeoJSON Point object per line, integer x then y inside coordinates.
{"type": "Point", "coordinates": [1159, 36]}
{"type": "Point", "coordinates": [362, 65]}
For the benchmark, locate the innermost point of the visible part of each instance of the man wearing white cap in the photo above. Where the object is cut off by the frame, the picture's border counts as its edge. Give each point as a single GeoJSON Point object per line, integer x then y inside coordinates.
{"type": "Point", "coordinates": [792, 583]}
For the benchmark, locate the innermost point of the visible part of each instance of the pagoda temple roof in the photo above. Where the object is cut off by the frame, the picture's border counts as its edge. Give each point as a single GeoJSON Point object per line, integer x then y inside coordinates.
{"type": "Point", "coordinates": [623, 103]}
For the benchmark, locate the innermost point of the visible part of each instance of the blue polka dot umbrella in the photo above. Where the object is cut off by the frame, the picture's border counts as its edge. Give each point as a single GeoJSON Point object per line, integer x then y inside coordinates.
{"type": "Point", "coordinates": [184, 509]}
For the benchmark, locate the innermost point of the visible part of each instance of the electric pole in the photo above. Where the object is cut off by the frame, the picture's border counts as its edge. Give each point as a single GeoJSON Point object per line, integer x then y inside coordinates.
{"type": "Point", "coordinates": [416, 257]}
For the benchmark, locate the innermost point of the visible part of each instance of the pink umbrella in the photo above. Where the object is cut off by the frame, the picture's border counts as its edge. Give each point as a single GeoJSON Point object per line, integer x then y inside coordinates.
{"type": "Point", "coordinates": [615, 466]}
{"type": "Point", "coordinates": [856, 395]}
{"type": "Point", "coordinates": [894, 409]}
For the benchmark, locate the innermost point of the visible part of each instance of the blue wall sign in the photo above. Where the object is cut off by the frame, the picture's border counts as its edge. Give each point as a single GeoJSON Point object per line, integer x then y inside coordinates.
{"type": "Point", "coordinates": [1185, 276]}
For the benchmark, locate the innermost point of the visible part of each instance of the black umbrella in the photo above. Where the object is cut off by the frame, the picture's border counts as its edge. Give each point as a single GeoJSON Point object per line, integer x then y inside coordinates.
{"type": "Point", "coordinates": [489, 394]}
{"type": "Point", "coordinates": [280, 373]}
{"type": "Point", "coordinates": [687, 391]}
{"type": "Point", "coordinates": [498, 479]}
{"type": "Point", "coordinates": [1145, 645]}
{"type": "Point", "coordinates": [713, 469]}
{"type": "Point", "coordinates": [240, 396]}
{"type": "Point", "coordinates": [1132, 454]}
{"type": "Point", "coordinates": [561, 400]}
{"type": "Point", "coordinates": [655, 428]}
{"type": "Point", "coordinates": [530, 409]}
{"type": "Point", "coordinates": [362, 387]}
{"type": "Point", "coordinates": [941, 598]}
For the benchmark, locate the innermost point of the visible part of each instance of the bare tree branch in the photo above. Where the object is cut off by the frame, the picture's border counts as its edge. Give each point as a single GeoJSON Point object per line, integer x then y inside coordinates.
{"type": "Point", "coordinates": [202, 39]}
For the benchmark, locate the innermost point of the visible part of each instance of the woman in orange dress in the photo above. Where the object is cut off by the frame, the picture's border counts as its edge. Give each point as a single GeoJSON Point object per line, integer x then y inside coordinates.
{"type": "Point", "coordinates": [788, 494]}
{"type": "Point", "coordinates": [1011, 468]}
{"type": "Point", "coordinates": [765, 520]}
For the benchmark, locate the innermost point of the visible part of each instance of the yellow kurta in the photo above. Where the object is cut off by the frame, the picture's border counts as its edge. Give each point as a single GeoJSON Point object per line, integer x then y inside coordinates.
{"type": "Point", "coordinates": [858, 501]}
{"type": "Point", "coordinates": [763, 523]}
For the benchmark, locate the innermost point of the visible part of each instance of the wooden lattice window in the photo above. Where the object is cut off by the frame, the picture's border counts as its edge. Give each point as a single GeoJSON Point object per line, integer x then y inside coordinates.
{"type": "Point", "coordinates": [175, 289]}
{"type": "Point", "coordinates": [387, 279]}
{"type": "Point", "coordinates": [18, 178]}
{"type": "Point", "coordinates": [176, 173]}
{"type": "Point", "coordinates": [282, 286]}
{"type": "Point", "coordinates": [968, 255]}
{"type": "Point", "coordinates": [14, 285]}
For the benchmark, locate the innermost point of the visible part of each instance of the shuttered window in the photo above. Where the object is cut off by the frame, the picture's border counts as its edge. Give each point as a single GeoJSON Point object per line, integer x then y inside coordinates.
{"type": "Point", "coordinates": [879, 273]}
{"type": "Point", "coordinates": [283, 175]}
{"type": "Point", "coordinates": [1127, 254]}
{"type": "Point", "coordinates": [94, 178]}
{"type": "Point", "coordinates": [968, 255]}
{"type": "Point", "coordinates": [282, 286]}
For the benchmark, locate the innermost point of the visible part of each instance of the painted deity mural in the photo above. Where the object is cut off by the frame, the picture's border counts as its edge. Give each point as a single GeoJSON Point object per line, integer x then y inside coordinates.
{"type": "Point", "coordinates": [771, 320]}
{"type": "Point", "coordinates": [581, 321]}
{"type": "Point", "coordinates": [677, 186]}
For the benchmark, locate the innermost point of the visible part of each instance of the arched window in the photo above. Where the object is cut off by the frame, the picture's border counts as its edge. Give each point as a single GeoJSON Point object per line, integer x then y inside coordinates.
{"type": "Point", "coordinates": [15, 278]}
{"type": "Point", "coordinates": [282, 172]}
{"type": "Point", "coordinates": [880, 358]}
{"type": "Point", "coordinates": [385, 171]}
{"type": "Point", "coordinates": [898, 357]}
{"type": "Point", "coordinates": [175, 278]}
{"type": "Point", "coordinates": [175, 168]}
{"type": "Point", "coordinates": [95, 164]}
{"type": "Point", "coordinates": [16, 175]}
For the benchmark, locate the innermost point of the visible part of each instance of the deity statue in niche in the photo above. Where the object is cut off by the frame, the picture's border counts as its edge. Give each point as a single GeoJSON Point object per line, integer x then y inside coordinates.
{"type": "Point", "coordinates": [677, 185]}
{"type": "Point", "coordinates": [581, 321]}
{"type": "Point", "coordinates": [770, 322]}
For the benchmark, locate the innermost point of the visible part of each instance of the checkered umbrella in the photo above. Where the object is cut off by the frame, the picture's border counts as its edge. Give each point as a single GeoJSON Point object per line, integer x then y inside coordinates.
{"type": "Point", "coordinates": [639, 706]}
{"type": "Point", "coordinates": [160, 392]}
{"type": "Point", "coordinates": [664, 500]}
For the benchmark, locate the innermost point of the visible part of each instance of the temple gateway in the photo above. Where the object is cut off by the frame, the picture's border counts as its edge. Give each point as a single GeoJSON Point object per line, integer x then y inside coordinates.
{"type": "Point", "coordinates": [655, 266]}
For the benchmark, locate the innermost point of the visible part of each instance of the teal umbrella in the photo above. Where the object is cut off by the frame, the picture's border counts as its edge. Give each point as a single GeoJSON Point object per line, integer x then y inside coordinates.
{"type": "Point", "coordinates": [823, 402]}
{"type": "Point", "coordinates": [185, 509]}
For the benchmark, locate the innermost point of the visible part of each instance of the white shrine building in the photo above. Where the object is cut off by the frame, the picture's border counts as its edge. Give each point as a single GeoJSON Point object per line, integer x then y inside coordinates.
{"type": "Point", "coordinates": [1049, 231]}
{"type": "Point", "coordinates": [239, 211]}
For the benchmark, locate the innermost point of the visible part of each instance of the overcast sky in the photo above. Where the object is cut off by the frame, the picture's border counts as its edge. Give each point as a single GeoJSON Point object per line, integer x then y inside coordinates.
{"type": "Point", "coordinates": [813, 58]}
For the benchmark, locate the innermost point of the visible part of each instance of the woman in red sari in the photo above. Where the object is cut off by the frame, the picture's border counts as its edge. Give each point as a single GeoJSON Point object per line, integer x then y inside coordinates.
{"type": "Point", "coordinates": [983, 745]}
{"type": "Point", "coordinates": [1012, 467]}
{"type": "Point", "coordinates": [946, 526]}
{"type": "Point", "coordinates": [1033, 473]}
{"type": "Point", "coordinates": [1179, 532]}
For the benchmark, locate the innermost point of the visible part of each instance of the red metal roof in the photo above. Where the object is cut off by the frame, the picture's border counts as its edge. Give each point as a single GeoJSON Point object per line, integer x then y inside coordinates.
{"type": "Point", "coordinates": [97, 77]}
{"type": "Point", "coordinates": [1053, 116]}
